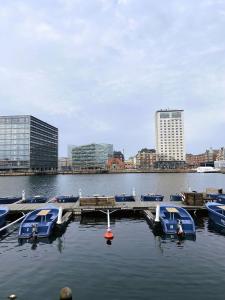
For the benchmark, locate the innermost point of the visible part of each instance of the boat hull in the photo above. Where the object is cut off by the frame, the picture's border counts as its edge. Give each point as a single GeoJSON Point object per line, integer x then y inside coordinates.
{"type": "Point", "coordinates": [3, 214]}
{"type": "Point", "coordinates": [216, 214]}
{"type": "Point", "coordinates": [169, 220]}
{"type": "Point", "coordinates": [152, 197]}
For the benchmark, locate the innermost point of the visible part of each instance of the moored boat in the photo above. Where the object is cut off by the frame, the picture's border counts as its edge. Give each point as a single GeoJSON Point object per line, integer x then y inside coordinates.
{"type": "Point", "coordinates": [65, 199]}
{"type": "Point", "coordinates": [176, 220]}
{"type": "Point", "coordinates": [216, 213]}
{"type": "Point", "coordinates": [3, 213]}
{"type": "Point", "coordinates": [177, 197]}
{"type": "Point", "coordinates": [39, 223]}
{"type": "Point", "coordinates": [9, 200]}
{"type": "Point", "coordinates": [152, 197]}
{"type": "Point", "coordinates": [124, 198]}
{"type": "Point", "coordinates": [219, 198]}
{"type": "Point", "coordinates": [35, 199]}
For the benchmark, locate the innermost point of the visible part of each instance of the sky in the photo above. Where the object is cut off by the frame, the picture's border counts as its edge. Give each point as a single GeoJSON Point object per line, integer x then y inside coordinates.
{"type": "Point", "coordinates": [99, 69]}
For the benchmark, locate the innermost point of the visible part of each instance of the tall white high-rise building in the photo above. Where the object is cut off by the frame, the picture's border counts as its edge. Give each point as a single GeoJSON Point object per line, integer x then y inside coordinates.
{"type": "Point", "coordinates": [170, 135]}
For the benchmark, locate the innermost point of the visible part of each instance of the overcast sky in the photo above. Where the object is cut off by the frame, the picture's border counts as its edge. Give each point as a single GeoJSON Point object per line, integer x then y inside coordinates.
{"type": "Point", "coordinates": [99, 69]}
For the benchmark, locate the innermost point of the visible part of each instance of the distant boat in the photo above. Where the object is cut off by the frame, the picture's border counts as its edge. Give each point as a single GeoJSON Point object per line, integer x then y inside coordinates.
{"type": "Point", "coordinates": [9, 200]}
{"type": "Point", "coordinates": [3, 213]}
{"type": "Point", "coordinates": [35, 199]}
{"type": "Point", "coordinates": [65, 199]}
{"type": "Point", "coordinates": [39, 223]}
{"type": "Point", "coordinates": [124, 198]}
{"type": "Point", "coordinates": [207, 170]}
{"type": "Point", "coordinates": [177, 197]}
{"type": "Point", "coordinates": [175, 220]}
{"type": "Point", "coordinates": [216, 213]}
{"type": "Point", "coordinates": [152, 197]}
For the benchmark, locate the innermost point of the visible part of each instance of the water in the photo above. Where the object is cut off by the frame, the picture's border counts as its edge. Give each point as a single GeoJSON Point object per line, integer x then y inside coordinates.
{"type": "Point", "coordinates": [138, 265]}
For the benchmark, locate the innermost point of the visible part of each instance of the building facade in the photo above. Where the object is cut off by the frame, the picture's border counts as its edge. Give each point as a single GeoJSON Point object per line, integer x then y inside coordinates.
{"type": "Point", "coordinates": [91, 156]}
{"type": "Point", "coordinates": [170, 149]}
{"type": "Point", "coordinates": [146, 158]}
{"type": "Point", "coordinates": [27, 143]}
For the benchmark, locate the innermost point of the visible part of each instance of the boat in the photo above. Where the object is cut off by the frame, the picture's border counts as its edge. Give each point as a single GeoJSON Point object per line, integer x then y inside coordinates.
{"type": "Point", "coordinates": [207, 170]}
{"type": "Point", "coordinates": [216, 213]}
{"type": "Point", "coordinates": [9, 200]}
{"type": "Point", "coordinates": [177, 197]}
{"type": "Point", "coordinates": [35, 199]}
{"type": "Point", "coordinates": [3, 213]}
{"type": "Point", "coordinates": [152, 197]}
{"type": "Point", "coordinates": [219, 198]}
{"type": "Point", "coordinates": [176, 220]}
{"type": "Point", "coordinates": [65, 199]}
{"type": "Point", "coordinates": [39, 223]}
{"type": "Point", "coordinates": [125, 198]}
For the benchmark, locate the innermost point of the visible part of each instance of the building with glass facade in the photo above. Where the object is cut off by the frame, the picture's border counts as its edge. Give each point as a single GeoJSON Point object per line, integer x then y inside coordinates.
{"type": "Point", "coordinates": [27, 143]}
{"type": "Point", "coordinates": [92, 156]}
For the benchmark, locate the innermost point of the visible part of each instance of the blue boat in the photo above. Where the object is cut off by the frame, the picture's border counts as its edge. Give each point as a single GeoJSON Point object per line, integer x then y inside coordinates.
{"type": "Point", "coordinates": [216, 213]}
{"type": "Point", "coordinates": [219, 198]}
{"type": "Point", "coordinates": [177, 197]}
{"type": "Point", "coordinates": [3, 213]}
{"type": "Point", "coordinates": [35, 199]}
{"type": "Point", "coordinates": [125, 198]}
{"type": "Point", "coordinates": [39, 223]}
{"type": "Point", "coordinates": [65, 199]}
{"type": "Point", "coordinates": [152, 197]}
{"type": "Point", "coordinates": [176, 220]}
{"type": "Point", "coordinates": [9, 200]}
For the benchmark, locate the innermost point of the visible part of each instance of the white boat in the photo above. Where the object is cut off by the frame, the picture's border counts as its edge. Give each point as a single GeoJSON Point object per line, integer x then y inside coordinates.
{"type": "Point", "coordinates": [207, 170]}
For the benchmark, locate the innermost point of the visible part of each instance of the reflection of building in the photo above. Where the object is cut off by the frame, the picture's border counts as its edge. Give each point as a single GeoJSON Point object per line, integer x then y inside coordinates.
{"type": "Point", "coordinates": [146, 158]}
{"type": "Point", "coordinates": [27, 143]}
{"type": "Point", "coordinates": [169, 138]}
{"type": "Point", "coordinates": [92, 156]}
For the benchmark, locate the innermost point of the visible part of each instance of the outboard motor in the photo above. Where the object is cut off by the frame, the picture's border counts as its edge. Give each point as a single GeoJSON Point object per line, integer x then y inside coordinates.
{"type": "Point", "coordinates": [34, 231]}
{"type": "Point", "coordinates": [180, 231]}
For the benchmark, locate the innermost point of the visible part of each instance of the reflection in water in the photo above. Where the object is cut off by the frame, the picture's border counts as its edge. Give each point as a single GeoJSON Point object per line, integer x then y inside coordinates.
{"type": "Point", "coordinates": [35, 241]}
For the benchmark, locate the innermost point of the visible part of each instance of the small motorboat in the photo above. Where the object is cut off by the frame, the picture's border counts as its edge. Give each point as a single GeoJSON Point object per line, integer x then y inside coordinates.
{"type": "Point", "coordinates": [39, 223]}
{"type": "Point", "coordinates": [35, 199]}
{"type": "Point", "coordinates": [176, 220]}
{"type": "Point", "coordinates": [177, 197]}
{"type": "Point", "coordinates": [125, 198]}
{"type": "Point", "coordinates": [216, 213]}
{"type": "Point", "coordinates": [65, 199]}
{"type": "Point", "coordinates": [3, 213]}
{"type": "Point", "coordinates": [9, 200]}
{"type": "Point", "coordinates": [152, 197]}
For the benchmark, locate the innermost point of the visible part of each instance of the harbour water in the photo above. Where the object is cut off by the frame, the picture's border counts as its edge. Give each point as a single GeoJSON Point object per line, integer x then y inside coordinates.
{"type": "Point", "coordinates": [138, 264]}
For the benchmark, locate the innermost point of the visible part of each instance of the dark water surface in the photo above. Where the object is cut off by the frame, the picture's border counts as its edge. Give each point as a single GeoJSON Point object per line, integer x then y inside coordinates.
{"type": "Point", "coordinates": [138, 265]}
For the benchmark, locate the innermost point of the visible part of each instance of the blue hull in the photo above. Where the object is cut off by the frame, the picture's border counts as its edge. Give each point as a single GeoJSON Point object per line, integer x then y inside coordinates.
{"type": "Point", "coordinates": [124, 198]}
{"type": "Point", "coordinates": [9, 200]}
{"type": "Point", "coordinates": [38, 225]}
{"type": "Point", "coordinates": [216, 214]}
{"type": "Point", "coordinates": [176, 197]}
{"type": "Point", "coordinates": [36, 199]}
{"type": "Point", "coordinates": [219, 198]}
{"type": "Point", "coordinates": [170, 220]}
{"type": "Point", "coordinates": [152, 198]}
{"type": "Point", "coordinates": [65, 199]}
{"type": "Point", "coordinates": [3, 214]}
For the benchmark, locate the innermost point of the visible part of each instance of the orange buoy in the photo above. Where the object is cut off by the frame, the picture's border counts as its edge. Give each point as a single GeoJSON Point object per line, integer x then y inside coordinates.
{"type": "Point", "coordinates": [108, 235]}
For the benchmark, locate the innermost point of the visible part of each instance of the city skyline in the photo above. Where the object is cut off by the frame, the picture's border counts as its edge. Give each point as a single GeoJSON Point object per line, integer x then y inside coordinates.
{"type": "Point", "coordinates": [98, 70]}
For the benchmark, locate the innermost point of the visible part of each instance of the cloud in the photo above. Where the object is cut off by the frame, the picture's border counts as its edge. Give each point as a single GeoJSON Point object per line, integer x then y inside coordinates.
{"type": "Point", "coordinates": [104, 66]}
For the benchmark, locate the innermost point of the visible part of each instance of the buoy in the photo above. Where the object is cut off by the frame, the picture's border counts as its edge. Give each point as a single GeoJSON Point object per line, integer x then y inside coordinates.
{"type": "Point", "coordinates": [66, 294]}
{"type": "Point", "coordinates": [13, 296]}
{"type": "Point", "coordinates": [108, 235]}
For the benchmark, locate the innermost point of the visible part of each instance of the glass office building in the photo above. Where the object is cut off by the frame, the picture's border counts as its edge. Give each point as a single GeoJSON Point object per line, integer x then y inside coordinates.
{"type": "Point", "coordinates": [92, 156]}
{"type": "Point", "coordinates": [27, 143]}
